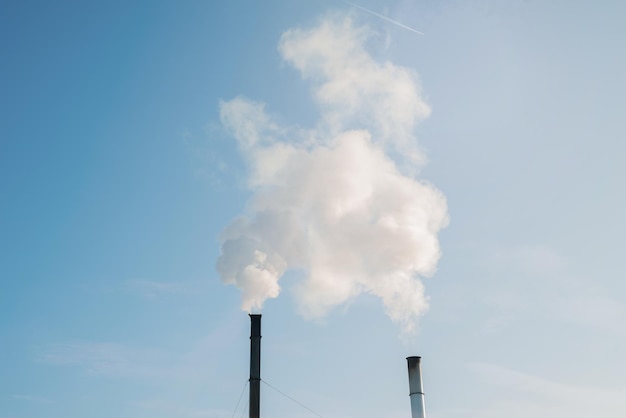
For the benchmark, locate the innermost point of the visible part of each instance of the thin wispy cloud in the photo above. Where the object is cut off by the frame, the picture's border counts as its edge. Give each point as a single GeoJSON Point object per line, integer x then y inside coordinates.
{"type": "Point", "coordinates": [536, 281]}
{"type": "Point", "coordinates": [525, 395]}
{"type": "Point", "coordinates": [31, 398]}
{"type": "Point", "coordinates": [536, 259]}
{"type": "Point", "coordinates": [109, 359]}
{"type": "Point", "coordinates": [167, 407]}
{"type": "Point", "coordinates": [120, 360]}
{"type": "Point", "coordinates": [154, 289]}
{"type": "Point", "coordinates": [205, 161]}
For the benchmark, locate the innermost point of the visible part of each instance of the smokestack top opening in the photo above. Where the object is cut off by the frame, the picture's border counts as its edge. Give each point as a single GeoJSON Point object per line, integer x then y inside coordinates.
{"type": "Point", "coordinates": [415, 375]}
{"type": "Point", "coordinates": [414, 363]}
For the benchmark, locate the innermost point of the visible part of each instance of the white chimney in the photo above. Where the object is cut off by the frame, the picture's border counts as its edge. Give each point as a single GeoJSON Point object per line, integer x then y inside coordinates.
{"type": "Point", "coordinates": [416, 389]}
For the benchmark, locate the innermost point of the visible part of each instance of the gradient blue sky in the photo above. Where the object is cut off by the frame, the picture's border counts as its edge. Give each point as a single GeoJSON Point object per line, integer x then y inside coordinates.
{"type": "Point", "coordinates": [116, 179]}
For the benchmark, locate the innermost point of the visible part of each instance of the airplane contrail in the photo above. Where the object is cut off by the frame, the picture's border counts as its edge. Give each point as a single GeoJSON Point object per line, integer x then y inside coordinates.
{"type": "Point", "coordinates": [395, 22]}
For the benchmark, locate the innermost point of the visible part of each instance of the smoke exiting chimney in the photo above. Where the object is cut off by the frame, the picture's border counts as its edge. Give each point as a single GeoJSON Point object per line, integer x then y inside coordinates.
{"type": "Point", "coordinates": [255, 365]}
{"type": "Point", "coordinates": [375, 231]}
{"type": "Point", "coordinates": [416, 389]}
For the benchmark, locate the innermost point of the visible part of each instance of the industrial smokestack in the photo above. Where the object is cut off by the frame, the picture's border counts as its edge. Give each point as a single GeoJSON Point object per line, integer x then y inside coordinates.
{"type": "Point", "coordinates": [255, 365]}
{"type": "Point", "coordinates": [416, 389]}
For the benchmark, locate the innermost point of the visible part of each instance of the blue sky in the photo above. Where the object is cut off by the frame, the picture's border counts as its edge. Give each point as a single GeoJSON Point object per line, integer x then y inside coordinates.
{"type": "Point", "coordinates": [117, 177]}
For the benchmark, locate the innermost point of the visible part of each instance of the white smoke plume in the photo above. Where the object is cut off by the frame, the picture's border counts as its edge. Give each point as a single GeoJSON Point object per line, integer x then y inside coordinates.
{"type": "Point", "coordinates": [330, 201]}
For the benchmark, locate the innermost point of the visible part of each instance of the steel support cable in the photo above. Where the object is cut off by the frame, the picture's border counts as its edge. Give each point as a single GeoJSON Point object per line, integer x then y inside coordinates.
{"type": "Point", "coordinates": [292, 399]}
{"type": "Point", "coordinates": [239, 400]}
{"type": "Point", "coordinates": [245, 408]}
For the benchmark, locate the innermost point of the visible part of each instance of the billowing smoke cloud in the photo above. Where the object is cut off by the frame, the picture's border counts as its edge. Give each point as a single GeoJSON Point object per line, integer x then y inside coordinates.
{"type": "Point", "coordinates": [330, 201]}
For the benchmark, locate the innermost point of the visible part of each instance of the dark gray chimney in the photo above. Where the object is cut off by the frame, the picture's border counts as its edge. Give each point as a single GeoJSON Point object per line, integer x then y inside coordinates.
{"type": "Point", "coordinates": [416, 389]}
{"type": "Point", "coordinates": [255, 365]}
